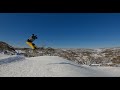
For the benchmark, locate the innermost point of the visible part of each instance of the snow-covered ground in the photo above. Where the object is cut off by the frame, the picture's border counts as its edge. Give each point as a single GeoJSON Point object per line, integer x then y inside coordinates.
{"type": "Point", "coordinates": [2, 56]}
{"type": "Point", "coordinates": [50, 66]}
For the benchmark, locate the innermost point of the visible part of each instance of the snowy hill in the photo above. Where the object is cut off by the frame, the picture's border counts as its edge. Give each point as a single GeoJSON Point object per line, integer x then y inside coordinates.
{"type": "Point", "coordinates": [50, 66]}
{"type": "Point", "coordinates": [6, 48]}
{"type": "Point", "coordinates": [101, 56]}
{"type": "Point", "coordinates": [84, 56]}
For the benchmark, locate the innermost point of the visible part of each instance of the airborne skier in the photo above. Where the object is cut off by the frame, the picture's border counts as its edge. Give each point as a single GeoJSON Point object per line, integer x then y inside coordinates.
{"type": "Point", "coordinates": [30, 41]}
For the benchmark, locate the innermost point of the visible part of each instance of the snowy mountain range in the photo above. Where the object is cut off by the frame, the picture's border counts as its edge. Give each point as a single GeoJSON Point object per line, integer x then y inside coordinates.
{"type": "Point", "coordinates": [91, 57]}
{"type": "Point", "coordinates": [50, 62]}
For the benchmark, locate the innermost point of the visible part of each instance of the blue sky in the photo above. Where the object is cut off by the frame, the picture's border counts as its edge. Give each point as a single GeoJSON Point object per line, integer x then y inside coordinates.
{"type": "Point", "coordinates": [61, 30]}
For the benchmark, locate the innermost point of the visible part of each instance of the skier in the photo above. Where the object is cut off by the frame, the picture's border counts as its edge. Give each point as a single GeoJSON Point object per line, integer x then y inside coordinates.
{"type": "Point", "coordinates": [30, 41]}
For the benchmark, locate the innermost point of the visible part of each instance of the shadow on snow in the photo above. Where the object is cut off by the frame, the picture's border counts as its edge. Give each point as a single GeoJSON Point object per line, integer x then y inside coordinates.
{"type": "Point", "coordinates": [10, 60]}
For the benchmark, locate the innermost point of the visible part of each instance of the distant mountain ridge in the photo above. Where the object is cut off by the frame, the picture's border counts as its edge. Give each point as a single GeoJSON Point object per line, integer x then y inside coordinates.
{"type": "Point", "coordinates": [100, 56]}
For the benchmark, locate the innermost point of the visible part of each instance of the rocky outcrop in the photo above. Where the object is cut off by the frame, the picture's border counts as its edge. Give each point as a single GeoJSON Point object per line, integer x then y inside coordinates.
{"type": "Point", "coordinates": [6, 48]}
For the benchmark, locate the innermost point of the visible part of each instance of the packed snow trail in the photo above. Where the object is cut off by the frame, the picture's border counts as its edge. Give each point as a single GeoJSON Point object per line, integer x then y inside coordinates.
{"type": "Point", "coordinates": [52, 66]}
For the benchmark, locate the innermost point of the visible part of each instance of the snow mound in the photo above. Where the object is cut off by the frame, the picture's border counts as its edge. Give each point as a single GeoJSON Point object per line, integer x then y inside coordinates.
{"type": "Point", "coordinates": [51, 66]}
{"type": "Point", "coordinates": [5, 59]}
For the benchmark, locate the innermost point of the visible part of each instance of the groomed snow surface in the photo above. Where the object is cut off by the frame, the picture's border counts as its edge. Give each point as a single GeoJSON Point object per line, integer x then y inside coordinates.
{"type": "Point", "coordinates": [50, 66]}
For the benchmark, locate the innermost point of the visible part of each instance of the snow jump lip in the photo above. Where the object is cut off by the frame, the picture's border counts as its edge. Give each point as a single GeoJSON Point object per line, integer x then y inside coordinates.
{"type": "Point", "coordinates": [11, 59]}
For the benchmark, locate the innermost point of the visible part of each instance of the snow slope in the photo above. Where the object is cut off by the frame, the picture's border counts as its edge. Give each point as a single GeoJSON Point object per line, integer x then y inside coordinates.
{"type": "Point", "coordinates": [50, 66]}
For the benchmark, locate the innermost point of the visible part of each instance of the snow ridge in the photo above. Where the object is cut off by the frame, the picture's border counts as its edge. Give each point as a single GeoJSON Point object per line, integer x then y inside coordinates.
{"type": "Point", "coordinates": [11, 59]}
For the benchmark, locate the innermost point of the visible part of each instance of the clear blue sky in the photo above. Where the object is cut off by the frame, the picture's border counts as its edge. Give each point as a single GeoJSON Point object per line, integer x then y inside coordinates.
{"type": "Point", "coordinates": [61, 30]}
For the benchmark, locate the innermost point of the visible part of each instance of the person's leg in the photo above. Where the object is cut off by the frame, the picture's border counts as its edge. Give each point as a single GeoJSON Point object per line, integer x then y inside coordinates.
{"type": "Point", "coordinates": [34, 45]}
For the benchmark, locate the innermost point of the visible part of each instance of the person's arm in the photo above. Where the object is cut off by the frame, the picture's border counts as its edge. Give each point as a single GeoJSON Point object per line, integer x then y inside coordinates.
{"type": "Point", "coordinates": [36, 37]}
